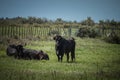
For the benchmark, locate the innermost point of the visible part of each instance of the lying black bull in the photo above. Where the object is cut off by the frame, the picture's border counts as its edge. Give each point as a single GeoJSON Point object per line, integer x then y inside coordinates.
{"type": "Point", "coordinates": [20, 52]}
{"type": "Point", "coordinates": [64, 46]}
{"type": "Point", "coordinates": [32, 54]}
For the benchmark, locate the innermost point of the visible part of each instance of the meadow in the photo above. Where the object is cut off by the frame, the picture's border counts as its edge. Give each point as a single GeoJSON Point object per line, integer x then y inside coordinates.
{"type": "Point", "coordinates": [95, 60]}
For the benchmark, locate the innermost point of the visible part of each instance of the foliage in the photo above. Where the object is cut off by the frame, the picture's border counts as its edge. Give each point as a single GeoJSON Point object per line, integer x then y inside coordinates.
{"type": "Point", "coordinates": [87, 32]}
{"type": "Point", "coordinates": [113, 38]}
{"type": "Point", "coordinates": [37, 21]}
{"type": "Point", "coordinates": [88, 22]}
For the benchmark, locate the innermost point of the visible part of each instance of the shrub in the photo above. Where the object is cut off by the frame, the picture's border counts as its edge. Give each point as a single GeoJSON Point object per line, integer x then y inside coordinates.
{"type": "Point", "coordinates": [112, 38]}
{"type": "Point", "coordinates": [93, 33]}
{"type": "Point", "coordinates": [86, 32]}
{"type": "Point", "coordinates": [82, 32]}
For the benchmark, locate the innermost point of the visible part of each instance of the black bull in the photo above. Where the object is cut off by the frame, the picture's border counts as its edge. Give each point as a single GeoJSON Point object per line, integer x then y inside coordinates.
{"type": "Point", "coordinates": [64, 46]}
{"type": "Point", "coordinates": [20, 52]}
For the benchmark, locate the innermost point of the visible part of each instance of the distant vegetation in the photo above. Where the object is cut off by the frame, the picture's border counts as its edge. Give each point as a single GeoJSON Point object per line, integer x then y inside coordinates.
{"type": "Point", "coordinates": [44, 22]}
{"type": "Point", "coordinates": [40, 28]}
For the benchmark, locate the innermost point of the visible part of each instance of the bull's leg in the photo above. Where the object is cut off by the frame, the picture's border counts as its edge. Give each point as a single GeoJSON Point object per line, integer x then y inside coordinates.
{"type": "Point", "coordinates": [73, 55]}
{"type": "Point", "coordinates": [67, 57]}
{"type": "Point", "coordinates": [58, 57]}
{"type": "Point", "coordinates": [62, 57]}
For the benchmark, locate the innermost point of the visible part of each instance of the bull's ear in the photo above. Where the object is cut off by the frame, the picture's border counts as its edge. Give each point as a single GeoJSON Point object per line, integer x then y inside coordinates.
{"type": "Point", "coordinates": [54, 38]}
{"type": "Point", "coordinates": [59, 37]}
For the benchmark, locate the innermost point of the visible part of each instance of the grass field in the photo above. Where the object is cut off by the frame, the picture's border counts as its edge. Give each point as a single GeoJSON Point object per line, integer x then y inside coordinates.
{"type": "Point", "coordinates": [95, 60]}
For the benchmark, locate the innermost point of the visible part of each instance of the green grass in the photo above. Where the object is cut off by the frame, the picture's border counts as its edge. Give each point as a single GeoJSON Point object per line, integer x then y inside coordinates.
{"type": "Point", "coordinates": [95, 60]}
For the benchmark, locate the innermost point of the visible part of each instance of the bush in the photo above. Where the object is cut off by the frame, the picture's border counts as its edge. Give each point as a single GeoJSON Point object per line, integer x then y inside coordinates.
{"type": "Point", "coordinates": [82, 32]}
{"type": "Point", "coordinates": [86, 32]}
{"type": "Point", "coordinates": [113, 38]}
{"type": "Point", "coordinates": [93, 33]}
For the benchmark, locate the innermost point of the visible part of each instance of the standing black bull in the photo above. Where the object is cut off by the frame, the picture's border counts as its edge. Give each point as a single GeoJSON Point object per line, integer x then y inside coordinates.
{"type": "Point", "coordinates": [64, 46]}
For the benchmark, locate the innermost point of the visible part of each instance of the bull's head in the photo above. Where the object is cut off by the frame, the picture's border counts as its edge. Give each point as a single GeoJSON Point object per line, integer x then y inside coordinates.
{"type": "Point", "coordinates": [57, 37]}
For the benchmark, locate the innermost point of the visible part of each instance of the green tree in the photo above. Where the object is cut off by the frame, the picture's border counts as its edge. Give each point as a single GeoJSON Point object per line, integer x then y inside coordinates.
{"type": "Point", "coordinates": [88, 22]}
{"type": "Point", "coordinates": [59, 21]}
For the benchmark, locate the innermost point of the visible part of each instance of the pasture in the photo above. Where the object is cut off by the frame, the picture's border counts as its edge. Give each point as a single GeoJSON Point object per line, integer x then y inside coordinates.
{"type": "Point", "coordinates": [95, 60]}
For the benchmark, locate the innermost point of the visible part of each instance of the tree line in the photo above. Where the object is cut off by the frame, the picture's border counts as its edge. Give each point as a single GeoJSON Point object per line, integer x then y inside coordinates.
{"type": "Point", "coordinates": [40, 22]}
{"type": "Point", "coordinates": [38, 27]}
